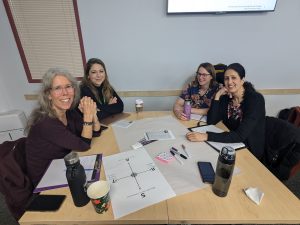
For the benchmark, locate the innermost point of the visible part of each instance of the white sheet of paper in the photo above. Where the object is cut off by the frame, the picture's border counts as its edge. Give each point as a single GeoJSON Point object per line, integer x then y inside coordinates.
{"type": "Point", "coordinates": [217, 145]}
{"type": "Point", "coordinates": [55, 175]}
{"type": "Point", "coordinates": [123, 123]}
{"type": "Point", "coordinates": [199, 117]}
{"type": "Point", "coordinates": [159, 135]}
{"type": "Point", "coordinates": [182, 178]}
{"type": "Point", "coordinates": [135, 182]}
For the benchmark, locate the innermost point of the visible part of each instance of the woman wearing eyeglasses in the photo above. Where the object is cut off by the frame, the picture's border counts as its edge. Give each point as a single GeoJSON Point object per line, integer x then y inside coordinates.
{"type": "Point", "coordinates": [95, 84]}
{"type": "Point", "coordinates": [242, 110]}
{"type": "Point", "coordinates": [55, 127]}
{"type": "Point", "coordinates": [200, 91]}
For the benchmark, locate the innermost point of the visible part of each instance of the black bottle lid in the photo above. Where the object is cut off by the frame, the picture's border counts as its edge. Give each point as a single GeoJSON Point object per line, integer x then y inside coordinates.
{"type": "Point", "coordinates": [227, 155]}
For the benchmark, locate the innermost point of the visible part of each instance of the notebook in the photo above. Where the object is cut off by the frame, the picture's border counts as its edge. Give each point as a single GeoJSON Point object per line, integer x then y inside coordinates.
{"type": "Point", "coordinates": [55, 176]}
{"type": "Point", "coordinates": [216, 145]}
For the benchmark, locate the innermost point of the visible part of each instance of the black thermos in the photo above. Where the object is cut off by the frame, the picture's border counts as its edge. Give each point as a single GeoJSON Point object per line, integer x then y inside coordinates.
{"type": "Point", "coordinates": [224, 170]}
{"type": "Point", "coordinates": [76, 179]}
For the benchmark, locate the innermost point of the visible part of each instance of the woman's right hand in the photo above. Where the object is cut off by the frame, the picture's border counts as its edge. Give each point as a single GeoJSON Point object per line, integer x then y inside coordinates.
{"type": "Point", "coordinates": [196, 136]}
{"type": "Point", "coordinates": [222, 91]}
{"type": "Point", "coordinates": [180, 115]}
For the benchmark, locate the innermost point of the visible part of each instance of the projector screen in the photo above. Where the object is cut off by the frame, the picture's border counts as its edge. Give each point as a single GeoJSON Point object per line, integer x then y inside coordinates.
{"type": "Point", "coordinates": [220, 6]}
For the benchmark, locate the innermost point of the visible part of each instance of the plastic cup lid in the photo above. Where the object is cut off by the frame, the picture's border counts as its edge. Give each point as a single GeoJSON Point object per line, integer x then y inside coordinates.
{"type": "Point", "coordinates": [139, 101]}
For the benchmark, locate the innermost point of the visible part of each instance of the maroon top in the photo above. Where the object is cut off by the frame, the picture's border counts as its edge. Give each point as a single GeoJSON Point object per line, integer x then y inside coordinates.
{"type": "Point", "coordinates": [50, 139]}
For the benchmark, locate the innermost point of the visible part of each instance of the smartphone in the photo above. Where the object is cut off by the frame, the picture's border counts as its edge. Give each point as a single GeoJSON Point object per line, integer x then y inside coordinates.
{"type": "Point", "coordinates": [44, 203]}
{"type": "Point", "coordinates": [207, 172]}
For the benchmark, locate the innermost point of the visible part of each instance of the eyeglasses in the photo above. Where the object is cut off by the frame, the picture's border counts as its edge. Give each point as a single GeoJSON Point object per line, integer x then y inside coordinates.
{"type": "Point", "coordinates": [202, 74]}
{"type": "Point", "coordinates": [59, 90]}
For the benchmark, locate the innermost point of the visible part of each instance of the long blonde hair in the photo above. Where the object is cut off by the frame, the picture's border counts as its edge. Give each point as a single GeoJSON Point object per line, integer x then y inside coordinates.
{"type": "Point", "coordinates": [44, 107]}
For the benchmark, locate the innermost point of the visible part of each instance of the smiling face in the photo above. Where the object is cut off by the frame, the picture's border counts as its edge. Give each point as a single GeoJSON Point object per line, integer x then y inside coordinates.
{"type": "Point", "coordinates": [232, 81]}
{"type": "Point", "coordinates": [97, 74]}
{"type": "Point", "coordinates": [203, 77]}
{"type": "Point", "coordinates": [61, 94]}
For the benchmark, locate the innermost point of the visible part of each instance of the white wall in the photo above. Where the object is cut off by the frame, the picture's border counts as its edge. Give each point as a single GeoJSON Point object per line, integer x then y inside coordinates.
{"type": "Point", "coordinates": [146, 49]}
{"type": "Point", "coordinates": [142, 44]}
{"type": "Point", "coordinates": [13, 79]}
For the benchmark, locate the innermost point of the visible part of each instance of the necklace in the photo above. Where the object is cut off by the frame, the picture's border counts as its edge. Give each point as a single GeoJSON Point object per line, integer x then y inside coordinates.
{"type": "Point", "coordinates": [203, 92]}
{"type": "Point", "coordinates": [236, 100]}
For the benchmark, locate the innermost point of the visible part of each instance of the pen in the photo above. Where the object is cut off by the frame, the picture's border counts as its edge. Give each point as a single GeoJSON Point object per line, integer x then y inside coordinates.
{"type": "Point", "coordinates": [176, 157]}
{"type": "Point", "coordinates": [177, 152]}
{"type": "Point", "coordinates": [187, 154]}
{"type": "Point", "coordinates": [198, 124]}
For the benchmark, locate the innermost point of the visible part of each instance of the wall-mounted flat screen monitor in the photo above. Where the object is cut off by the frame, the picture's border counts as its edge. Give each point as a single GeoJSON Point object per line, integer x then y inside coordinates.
{"type": "Point", "coordinates": [220, 6]}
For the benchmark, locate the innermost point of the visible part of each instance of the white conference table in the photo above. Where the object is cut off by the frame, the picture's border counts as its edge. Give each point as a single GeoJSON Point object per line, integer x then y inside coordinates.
{"type": "Point", "coordinates": [279, 205]}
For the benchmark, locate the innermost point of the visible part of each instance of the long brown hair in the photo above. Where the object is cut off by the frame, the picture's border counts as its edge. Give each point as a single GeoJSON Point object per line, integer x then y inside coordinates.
{"type": "Point", "coordinates": [107, 90]}
{"type": "Point", "coordinates": [211, 70]}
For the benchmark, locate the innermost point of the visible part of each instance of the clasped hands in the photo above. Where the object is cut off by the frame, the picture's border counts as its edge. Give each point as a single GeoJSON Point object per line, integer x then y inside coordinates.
{"type": "Point", "coordinates": [88, 108]}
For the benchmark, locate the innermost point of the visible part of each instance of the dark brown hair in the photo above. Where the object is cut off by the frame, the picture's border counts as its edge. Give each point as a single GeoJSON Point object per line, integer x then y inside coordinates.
{"type": "Point", "coordinates": [107, 88]}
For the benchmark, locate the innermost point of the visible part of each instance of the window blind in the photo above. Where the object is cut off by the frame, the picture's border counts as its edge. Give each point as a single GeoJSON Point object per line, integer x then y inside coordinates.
{"type": "Point", "coordinates": [48, 35]}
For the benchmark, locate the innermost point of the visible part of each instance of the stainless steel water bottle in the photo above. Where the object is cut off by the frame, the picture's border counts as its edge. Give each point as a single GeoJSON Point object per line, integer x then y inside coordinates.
{"type": "Point", "coordinates": [224, 170]}
{"type": "Point", "coordinates": [187, 108]}
{"type": "Point", "coordinates": [76, 179]}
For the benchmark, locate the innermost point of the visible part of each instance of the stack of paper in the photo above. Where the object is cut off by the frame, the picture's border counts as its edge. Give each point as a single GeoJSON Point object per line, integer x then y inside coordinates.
{"type": "Point", "coordinates": [159, 135]}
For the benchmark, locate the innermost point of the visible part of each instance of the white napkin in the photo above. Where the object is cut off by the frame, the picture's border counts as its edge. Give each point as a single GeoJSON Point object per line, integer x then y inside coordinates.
{"type": "Point", "coordinates": [254, 194]}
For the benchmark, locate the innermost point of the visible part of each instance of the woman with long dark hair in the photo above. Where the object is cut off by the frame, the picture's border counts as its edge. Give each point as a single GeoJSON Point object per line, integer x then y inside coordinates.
{"type": "Point", "coordinates": [95, 84]}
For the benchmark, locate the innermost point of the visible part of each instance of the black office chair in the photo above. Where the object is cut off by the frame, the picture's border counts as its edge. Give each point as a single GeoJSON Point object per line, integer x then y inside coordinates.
{"type": "Point", "coordinates": [294, 116]}
{"type": "Point", "coordinates": [220, 69]}
{"type": "Point", "coordinates": [15, 185]}
{"type": "Point", "coordinates": [282, 148]}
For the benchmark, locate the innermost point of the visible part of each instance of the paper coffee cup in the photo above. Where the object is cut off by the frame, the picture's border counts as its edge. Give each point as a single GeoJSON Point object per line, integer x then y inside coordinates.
{"type": "Point", "coordinates": [139, 105]}
{"type": "Point", "coordinates": [98, 192]}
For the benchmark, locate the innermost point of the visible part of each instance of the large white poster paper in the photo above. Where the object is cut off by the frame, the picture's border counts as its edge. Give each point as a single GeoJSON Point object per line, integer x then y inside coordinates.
{"type": "Point", "coordinates": [135, 182]}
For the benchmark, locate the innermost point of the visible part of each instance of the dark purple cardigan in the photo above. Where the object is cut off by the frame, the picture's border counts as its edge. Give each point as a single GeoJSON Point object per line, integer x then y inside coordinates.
{"type": "Point", "coordinates": [50, 139]}
{"type": "Point", "coordinates": [23, 162]}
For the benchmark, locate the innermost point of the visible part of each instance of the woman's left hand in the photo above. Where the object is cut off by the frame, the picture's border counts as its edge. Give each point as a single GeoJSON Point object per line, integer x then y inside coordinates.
{"type": "Point", "coordinates": [195, 136]}
{"type": "Point", "coordinates": [113, 100]}
{"type": "Point", "coordinates": [88, 108]}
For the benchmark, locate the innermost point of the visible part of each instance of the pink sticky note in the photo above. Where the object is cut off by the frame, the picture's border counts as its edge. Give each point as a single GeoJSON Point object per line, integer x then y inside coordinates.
{"type": "Point", "coordinates": [165, 157]}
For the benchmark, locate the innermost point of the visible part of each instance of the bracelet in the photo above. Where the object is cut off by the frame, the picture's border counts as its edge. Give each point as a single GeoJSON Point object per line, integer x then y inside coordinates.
{"type": "Point", "coordinates": [88, 123]}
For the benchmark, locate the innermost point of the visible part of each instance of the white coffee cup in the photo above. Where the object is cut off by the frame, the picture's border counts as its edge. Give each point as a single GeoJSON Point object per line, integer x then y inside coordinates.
{"type": "Point", "coordinates": [139, 105]}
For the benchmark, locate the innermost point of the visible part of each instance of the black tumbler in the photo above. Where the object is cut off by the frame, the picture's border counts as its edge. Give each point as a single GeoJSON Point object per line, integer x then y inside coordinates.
{"type": "Point", "coordinates": [76, 179]}
{"type": "Point", "coordinates": [224, 170]}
